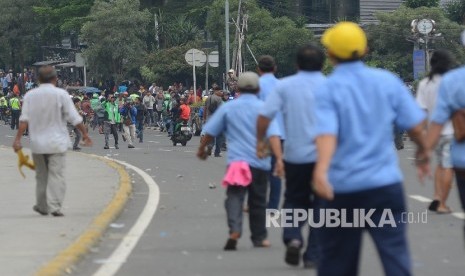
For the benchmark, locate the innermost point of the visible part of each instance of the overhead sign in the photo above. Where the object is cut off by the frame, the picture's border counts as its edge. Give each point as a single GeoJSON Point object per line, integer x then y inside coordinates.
{"type": "Point", "coordinates": [197, 57]}
{"type": "Point", "coordinates": [214, 59]}
{"type": "Point", "coordinates": [419, 64]}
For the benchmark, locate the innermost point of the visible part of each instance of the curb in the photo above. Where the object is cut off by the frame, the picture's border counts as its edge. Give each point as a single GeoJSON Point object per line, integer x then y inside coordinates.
{"type": "Point", "coordinates": [62, 263]}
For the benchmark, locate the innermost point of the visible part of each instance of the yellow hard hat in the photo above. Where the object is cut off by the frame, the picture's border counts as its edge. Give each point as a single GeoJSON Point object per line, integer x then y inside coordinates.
{"type": "Point", "coordinates": [345, 40]}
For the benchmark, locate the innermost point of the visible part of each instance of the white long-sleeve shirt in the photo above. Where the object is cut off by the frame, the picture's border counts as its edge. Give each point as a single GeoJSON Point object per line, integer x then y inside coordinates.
{"type": "Point", "coordinates": [47, 109]}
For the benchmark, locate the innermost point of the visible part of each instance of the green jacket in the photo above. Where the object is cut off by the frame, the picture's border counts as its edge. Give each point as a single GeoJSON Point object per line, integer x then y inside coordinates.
{"type": "Point", "coordinates": [3, 102]}
{"type": "Point", "coordinates": [112, 111]}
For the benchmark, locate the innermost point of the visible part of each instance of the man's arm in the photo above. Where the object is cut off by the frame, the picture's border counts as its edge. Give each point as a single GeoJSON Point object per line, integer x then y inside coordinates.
{"type": "Point", "coordinates": [276, 149]}
{"type": "Point", "coordinates": [424, 146]}
{"type": "Point", "coordinates": [326, 145]}
{"type": "Point", "coordinates": [85, 136]}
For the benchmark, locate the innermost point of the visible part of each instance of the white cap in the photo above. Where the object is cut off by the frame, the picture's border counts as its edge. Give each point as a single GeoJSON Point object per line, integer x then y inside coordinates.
{"type": "Point", "coordinates": [231, 71]}
{"type": "Point", "coordinates": [248, 81]}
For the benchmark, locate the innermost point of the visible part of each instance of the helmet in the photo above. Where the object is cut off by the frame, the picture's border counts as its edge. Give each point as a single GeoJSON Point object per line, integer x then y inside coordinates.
{"type": "Point", "coordinates": [95, 95]}
{"type": "Point", "coordinates": [345, 40]}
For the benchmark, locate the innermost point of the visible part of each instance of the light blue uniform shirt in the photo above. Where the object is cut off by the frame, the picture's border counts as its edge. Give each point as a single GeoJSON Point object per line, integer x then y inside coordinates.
{"type": "Point", "coordinates": [294, 96]}
{"type": "Point", "coordinates": [360, 105]}
{"type": "Point", "coordinates": [238, 119]}
{"type": "Point", "coordinates": [4, 82]}
{"type": "Point", "coordinates": [268, 84]}
{"type": "Point", "coordinates": [451, 97]}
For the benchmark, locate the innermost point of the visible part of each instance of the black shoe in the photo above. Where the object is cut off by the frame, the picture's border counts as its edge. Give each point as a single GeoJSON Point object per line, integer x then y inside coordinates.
{"type": "Point", "coordinates": [434, 205]}
{"type": "Point", "coordinates": [106, 147]}
{"type": "Point", "coordinates": [231, 245]}
{"type": "Point", "coordinates": [292, 255]}
{"type": "Point", "coordinates": [130, 147]}
{"type": "Point", "coordinates": [57, 214]}
{"type": "Point", "coordinates": [76, 148]}
{"type": "Point", "coordinates": [218, 155]}
{"type": "Point", "coordinates": [36, 209]}
{"type": "Point", "coordinates": [116, 147]}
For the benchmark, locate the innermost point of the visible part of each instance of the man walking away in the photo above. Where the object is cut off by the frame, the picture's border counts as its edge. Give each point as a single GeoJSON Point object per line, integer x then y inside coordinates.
{"type": "Point", "coordinates": [77, 133]}
{"type": "Point", "coordinates": [268, 82]}
{"type": "Point", "coordinates": [294, 97]}
{"type": "Point", "coordinates": [148, 102]}
{"type": "Point", "coordinates": [246, 172]}
{"type": "Point", "coordinates": [211, 105]}
{"type": "Point", "coordinates": [46, 111]}
{"type": "Point", "coordinates": [140, 119]}
{"type": "Point", "coordinates": [357, 168]}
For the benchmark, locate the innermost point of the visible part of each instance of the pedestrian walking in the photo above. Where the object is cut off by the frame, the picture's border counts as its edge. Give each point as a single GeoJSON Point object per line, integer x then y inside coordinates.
{"type": "Point", "coordinates": [112, 119]}
{"type": "Point", "coordinates": [247, 174]}
{"type": "Point", "coordinates": [441, 62]}
{"type": "Point", "coordinates": [129, 113]}
{"type": "Point", "coordinates": [148, 102]}
{"type": "Point", "coordinates": [357, 168]}
{"type": "Point", "coordinates": [451, 105]}
{"type": "Point", "coordinates": [213, 102]}
{"type": "Point", "coordinates": [46, 111]}
{"type": "Point", "coordinates": [294, 97]}
{"type": "Point", "coordinates": [140, 119]}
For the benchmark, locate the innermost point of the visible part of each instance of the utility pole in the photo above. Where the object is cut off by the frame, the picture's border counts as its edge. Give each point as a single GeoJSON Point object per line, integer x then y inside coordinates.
{"type": "Point", "coordinates": [226, 21]}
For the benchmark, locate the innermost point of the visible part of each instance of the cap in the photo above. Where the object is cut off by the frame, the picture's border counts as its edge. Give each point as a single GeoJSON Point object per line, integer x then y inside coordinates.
{"type": "Point", "coordinates": [345, 40]}
{"type": "Point", "coordinates": [231, 71]}
{"type": "Point", "coordinates": [463, 38]}
{"type": "Point", "coordinates": [95, 95]}
{"type": "Point", "coordinates": [248, 81]}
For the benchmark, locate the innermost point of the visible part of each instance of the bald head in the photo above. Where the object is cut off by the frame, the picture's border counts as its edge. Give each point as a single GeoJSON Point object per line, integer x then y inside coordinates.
{"type": "Point", "coordinates": [47, 74]}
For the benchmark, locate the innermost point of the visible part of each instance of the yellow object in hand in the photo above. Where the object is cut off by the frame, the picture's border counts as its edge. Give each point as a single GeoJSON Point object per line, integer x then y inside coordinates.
{"type": "Point", "coordinates": [23, 160]}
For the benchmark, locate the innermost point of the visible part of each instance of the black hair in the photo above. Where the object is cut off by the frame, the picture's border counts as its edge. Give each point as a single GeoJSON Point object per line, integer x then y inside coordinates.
{"type": "Point", "coordinates": [76, 100]}
{"type": "Point", "coordinates": [310, 58]}
{"type": "Point", "coordinates": [266, 64]}
{"type": "Point", "coordinates": [441, 61]}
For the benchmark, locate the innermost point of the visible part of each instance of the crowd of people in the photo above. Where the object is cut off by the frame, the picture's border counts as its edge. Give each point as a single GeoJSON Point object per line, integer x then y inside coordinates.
{"type": "Point", "coordinates": [330, 138]}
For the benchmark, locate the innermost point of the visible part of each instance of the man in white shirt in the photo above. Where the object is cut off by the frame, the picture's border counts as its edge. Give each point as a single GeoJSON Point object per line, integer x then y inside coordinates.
{"type": "Point", "coordinates": [46, 111]}
{"type": "Point", "coordinates": [441, 62]}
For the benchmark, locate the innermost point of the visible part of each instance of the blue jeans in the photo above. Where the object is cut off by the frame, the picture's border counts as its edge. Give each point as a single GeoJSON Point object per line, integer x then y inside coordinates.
{"type": "Point", "coordinates": [217, 143]}
{"type": "Point", "coordinates": [299, 195]}
{"type": "Point", "coordinates": [341, 246]}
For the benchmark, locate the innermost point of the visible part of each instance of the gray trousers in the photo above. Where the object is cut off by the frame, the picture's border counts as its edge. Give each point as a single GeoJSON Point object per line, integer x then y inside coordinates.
{"type": "Point", "coordinates": [257, 206]}
{"type": "Point", "coordinates": [50, 178]}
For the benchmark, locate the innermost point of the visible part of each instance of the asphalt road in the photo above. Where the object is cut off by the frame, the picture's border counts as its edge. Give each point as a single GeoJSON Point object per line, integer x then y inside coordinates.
{"type": "Point", "coordinates": [188, 231]}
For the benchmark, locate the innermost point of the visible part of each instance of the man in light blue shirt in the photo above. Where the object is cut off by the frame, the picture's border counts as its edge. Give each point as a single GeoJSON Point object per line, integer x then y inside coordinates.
{"type": "Point", "coordinates": [294, 97]}
{"type": "Point", "coordinates": [266, 69]}
{"type": "Point", "coordinates": [237, 119]}
{"type": "Point", "coordinates": [357, 167]}
{"type": "Point", "coordinates": [451, 98]}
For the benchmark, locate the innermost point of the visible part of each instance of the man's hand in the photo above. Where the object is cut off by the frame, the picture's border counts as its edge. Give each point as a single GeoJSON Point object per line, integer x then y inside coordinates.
{"type": "Point", "coordinates": [262, 149]}
{"type": "Point", "coordinates": [321, 185]}
{"type": "Point", "coordinates": [279, 168]}
{"type": "Point", "coordinates": [17, 145]}
{"type": "Point", "coordinates": [422, 161]}
{"type": "Point", "coordinates": [87, 142]}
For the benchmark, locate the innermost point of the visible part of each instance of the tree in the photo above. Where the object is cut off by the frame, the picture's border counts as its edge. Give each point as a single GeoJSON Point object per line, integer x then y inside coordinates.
{"type": "Point", "coordinates": [413, 4]}
{"type": "Point", "coordinates": [390, 48]}
{"type": "Point", "coordinates": [59, 17]}
{"type": "Point", "coordinates": [266, 35]}
{"type": "Point", "coordinates": [115, 34]}
{"type": "Point", "coordinates": [18, 29]}
{"type": "Point", "coordinates": [177, 31]}
{"type": "Point", "coordinates": [455, 11]}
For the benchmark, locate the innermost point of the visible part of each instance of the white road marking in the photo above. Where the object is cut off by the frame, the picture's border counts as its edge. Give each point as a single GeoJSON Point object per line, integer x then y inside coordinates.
{"type": "Point", "coordinates": [124, 249]}
{"type": "Point", "coordinates": [459, 215]}
{"type": "Point", "coordinates": [420, 198]}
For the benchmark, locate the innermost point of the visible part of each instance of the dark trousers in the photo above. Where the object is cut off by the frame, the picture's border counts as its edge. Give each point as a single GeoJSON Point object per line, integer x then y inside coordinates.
{"type": "Point", "coordinates": [256, 202]}
{"type": "Point", "coordinates": [217, 143]}
{"type": "Point", "coordinates": [77, 137]}
{"type": "Point", "coordinates": [299, 195]}
{"type": "Point", "coordinates": [110, 129]}
{"type": "Point", "coordinates": [149, 119]}
{"type": "Point", "coordinates": [275, 187]}
{"type": "Point", "coordinates": [140, 130]}
{"type": "Point", "coordinates": [340, 246]}
{"type": "Point", "coordinates": [15, 118]}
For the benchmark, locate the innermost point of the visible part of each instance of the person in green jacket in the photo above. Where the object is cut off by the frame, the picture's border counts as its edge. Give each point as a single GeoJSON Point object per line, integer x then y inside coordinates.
{"type": "Point", "coordinates": [112, 118]}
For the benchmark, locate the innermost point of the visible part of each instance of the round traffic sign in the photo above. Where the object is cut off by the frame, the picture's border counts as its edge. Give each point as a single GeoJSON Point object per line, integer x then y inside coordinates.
{"type": "Point", "coordinates": [197, 57]}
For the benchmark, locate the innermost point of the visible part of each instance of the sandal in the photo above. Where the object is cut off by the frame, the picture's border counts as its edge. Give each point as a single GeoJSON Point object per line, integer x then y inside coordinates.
{"type": "Point", "coordinates": [443, 211]}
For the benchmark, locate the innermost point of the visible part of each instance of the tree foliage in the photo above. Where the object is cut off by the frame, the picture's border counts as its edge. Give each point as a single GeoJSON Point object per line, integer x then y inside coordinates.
{"type": "Point", "coordinates": [390, 48]}
{"type": "Point", "coordinates": [266, 35]}
{"type": "Point", "coordinates": [116, 35]}
{"type": "Point", "coordinates": [60, 17]}
{"type": "Point", "coordinates": [455, 11]}
{"type": "Point", "coordinates": [18, 34]}
{"type": "Point", "coordinates": [413, 4]}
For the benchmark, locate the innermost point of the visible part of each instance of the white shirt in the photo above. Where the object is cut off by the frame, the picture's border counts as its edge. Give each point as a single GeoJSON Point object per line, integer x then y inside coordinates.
{"type": "Point", "coordinates": [47, 109]}
{"type": "Point", "coordinates": [426, 97]}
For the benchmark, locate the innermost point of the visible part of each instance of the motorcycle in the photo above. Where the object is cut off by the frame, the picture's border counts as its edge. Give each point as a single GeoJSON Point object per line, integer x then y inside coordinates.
{"type": "Point", "coordinates": [182, 134]}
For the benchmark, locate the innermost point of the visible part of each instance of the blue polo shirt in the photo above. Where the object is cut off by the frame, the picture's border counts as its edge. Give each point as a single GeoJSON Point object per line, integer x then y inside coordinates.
{"type": "Point", "coordinates": [294, 97]}
{"type": "Point", "coordinates": [360, 105]}
{"type": "Point", "coordinates": [268, 84]}
{"type": "Point", "coordinates": [238, 119]}
{"type": "Point", "coordinates": [451, 97]}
